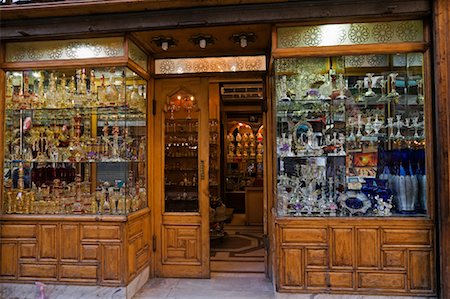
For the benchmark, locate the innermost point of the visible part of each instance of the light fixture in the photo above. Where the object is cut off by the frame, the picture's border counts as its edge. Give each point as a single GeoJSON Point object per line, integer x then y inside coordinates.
{"type": "Point", "coordinates": [243, 38]}
{"type": "Point", "coordinates": [165, 42]}
{"type": "Point", "coordinates": [202, 40]}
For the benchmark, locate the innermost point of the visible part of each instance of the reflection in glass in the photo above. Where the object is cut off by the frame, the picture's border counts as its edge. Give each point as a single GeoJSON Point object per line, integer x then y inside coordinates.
{"type": "Point", "coordinates": [66, 151]}
{"type": "Point", "coordinates": [356, 150]}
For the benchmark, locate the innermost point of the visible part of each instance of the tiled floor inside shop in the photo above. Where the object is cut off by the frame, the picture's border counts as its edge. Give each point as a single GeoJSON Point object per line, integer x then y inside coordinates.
{"type": "Point", "coordinates": [228, 286]}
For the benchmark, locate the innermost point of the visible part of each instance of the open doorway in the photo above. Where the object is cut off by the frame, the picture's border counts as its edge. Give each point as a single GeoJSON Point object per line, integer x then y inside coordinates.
{"type": "Point", "coordinates": [237, 209]}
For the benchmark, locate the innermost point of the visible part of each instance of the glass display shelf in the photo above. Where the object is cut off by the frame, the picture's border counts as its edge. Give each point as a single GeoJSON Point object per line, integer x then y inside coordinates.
{"type": "Point", "coordinates": [350, 139]}
{"type": "Point", "coordinates": [74, 143]}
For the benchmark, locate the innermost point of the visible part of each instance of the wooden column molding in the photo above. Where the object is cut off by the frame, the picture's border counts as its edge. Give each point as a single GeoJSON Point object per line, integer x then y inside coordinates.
{"type": "Point", "coordinates": [442, 116]}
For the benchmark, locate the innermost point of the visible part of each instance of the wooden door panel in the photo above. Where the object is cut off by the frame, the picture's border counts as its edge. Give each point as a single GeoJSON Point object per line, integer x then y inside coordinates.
{"type": "Point", "coordinates": [18, 231]}
{"type": "Point", "coordinates": [292, 263]}
{"type": "Point", "coordinates": [334, 280]}
{"type": "Point", "coordinates": [47, 242]}
{"type": "Point", "coordinates": [342, 247]}
{"type": "Point", "coordinates": [111, 263]}
{"type": "Point", "coordinates": [181, 245]}
{"type": "Point", "coordinates": [394, 281]}
{"type": "Point", "coordinates": [406, 237]}
{"type": "Point", "coordinates": [304, 235]}
{"type": "Point", "coordinates": [316, 258]}
{"type": "Point", "coordinates": [27, 251]}
{"type": "Point", "coordinates": [69, 242]}
{"type": "Point", "coordinates": [420, 270]}
{"type": "Point", "coordinates": [368, 248]}
{"type": "Point", "coordinates": [8, 260]}
{"type": "Point", "coordinates": [39, 271]}
{"type": "Point", "coordinates": [394, 259]}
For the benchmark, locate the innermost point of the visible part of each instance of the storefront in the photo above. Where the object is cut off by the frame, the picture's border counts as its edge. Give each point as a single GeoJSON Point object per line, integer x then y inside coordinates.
{"type": "Point", "coordinates": [120, 148]}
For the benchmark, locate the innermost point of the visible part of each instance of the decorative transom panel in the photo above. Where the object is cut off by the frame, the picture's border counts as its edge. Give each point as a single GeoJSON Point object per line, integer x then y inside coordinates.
{"type": "Point", "coordinates": [137, 55]}
{"type": "Point", "coordinates": [65, 49]}
{"type": "Point", "coordinates": [210, 65]}
{"type": "Point", "coordinates": [350, 34]}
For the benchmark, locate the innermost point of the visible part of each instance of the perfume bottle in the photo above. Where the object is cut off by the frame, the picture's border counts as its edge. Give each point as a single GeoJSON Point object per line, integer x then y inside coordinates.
{"type": "Point", "coordinates": [61, 100]}
{"type": "Point", "coordinates": [135, 97]}
{"type": "Point", "coordinates": [9, 91]}
{"type": "Point", "coordinates": [111, 93]}
{"type": "Point", "coordinates": [122, 90]}
{"type": "Point", "coordinates": [369, 93]}
{"type": "Point", "coordinates": [51, 96]}
{"type": "Point", "coordinates": [71, 93]}
{"type": "Point", "coordinates": [101, 92]}
{"type": "Point", "coordinates": [92, 94]}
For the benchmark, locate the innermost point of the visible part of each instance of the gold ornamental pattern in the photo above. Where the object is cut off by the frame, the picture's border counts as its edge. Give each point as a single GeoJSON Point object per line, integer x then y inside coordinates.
{"type": "Point", "coordinates": [65, 49]}
{"type": "Point", "coordinates": [350, 34]}
{"type": "Point", "coordinates": [210, 65]}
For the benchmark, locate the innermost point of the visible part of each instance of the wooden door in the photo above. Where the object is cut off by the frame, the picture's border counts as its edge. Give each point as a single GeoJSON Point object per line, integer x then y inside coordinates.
{"type": "Point", "coordinates": [181, 174]}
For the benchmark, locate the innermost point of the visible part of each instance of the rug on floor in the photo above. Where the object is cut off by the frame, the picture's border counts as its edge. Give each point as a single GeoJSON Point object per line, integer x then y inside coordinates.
{"type": "Point", "coordinates": [238, 246]}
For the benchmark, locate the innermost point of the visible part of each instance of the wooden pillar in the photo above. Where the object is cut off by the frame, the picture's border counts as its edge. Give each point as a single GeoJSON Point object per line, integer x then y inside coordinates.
{"type": "Point", "coordinates": [442, 118]}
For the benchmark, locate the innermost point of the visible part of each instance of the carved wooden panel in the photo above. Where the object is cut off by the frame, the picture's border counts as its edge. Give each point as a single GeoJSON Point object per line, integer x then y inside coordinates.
{"type": "Point", "coordinates": [111, 260]}
{"type": "Point", "coordinates": [334, 280]}
{"type": "Point", "coordinates": [316, 258]}
{"type": "Point", "coordinates": [292, 267]}
{"type": "Point", "coordinates": [40, 271]}
{"type": "Point", "coordinates": [143, 256]}
{"type": "Point", "coordinates": [89, 252]}
{"type": "Point", "coordinates": [342, 247]}
{"type": "Point", "coordinates": [47, 241]}
{"type": "Point", "coordinates": [83, 273]}
{"type": "Point", "coordinates": [394, 259]}
{"type": "Point", "coordinates": [394, 281]}
{"type": "Point", "coordinates": [8, 260]}
{"type": "Point", "coordinates": [421, 274]}
{"type": "Point", "coordinates": [81, 251]}
{"type": "Point", "coordinates": [369, 257]}
{"type": "Point", "coordinates": [304, 235]}
{"type": "Point", "coordinates": [27, 251]}
{"type": "Point", "coordinates": [18, 231]}
{"type": "Point", "coordinates": [69, 239]}
{"type": "Point", "coordinates": [406, 236]}
{"type": "Point", "coordinates": [132, 267]}
{"type": "Point", "coordinates": [100, 232]}
{"type": "Point", "coordinates": [368, 248]}
{"type": "Point", "coordinates": [182, 244]}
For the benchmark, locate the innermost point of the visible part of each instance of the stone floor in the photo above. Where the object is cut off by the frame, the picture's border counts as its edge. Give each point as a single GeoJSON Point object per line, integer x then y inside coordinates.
{"type": "Point", "coordinates": [228, 286]}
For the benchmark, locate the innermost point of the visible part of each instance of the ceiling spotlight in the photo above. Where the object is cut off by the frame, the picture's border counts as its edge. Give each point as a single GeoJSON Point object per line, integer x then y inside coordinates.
{"type": "Point", "coordinates": [202, 40]}
{"type": "Point", "coordinates": [164, 42]}
{"type": "Point", "coordinates": [243, 38]}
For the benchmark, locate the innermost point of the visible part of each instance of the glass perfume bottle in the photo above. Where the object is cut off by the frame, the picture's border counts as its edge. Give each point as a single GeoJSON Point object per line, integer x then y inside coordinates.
{"type": "Point", "coordinates": [111, 93]}
{"type": "Point", "coordinates": [9, 91]}
{"type": "Point", "coordinates": [92, 94]}
{"type": "Point", "coordinates": [369, 93]}
{"type": "Point", "coordinates": [101, 92]}
{"type": "Point", "coordinates": [383, 83]}
{"type": "Point", "coordinates": [341, 84]}
{"type": "Point", "coordinates": [420, 96]}
{"type": "Point", "coordinates": [71, 93]}
{"type": "Point", "coordinates": [51, 95]}
{"type": "Point", "coordinates": [122, 90]}
{"type": "Point", "coordinates": [393, 94]}
{"type": "Point", "coordinates": [135, 97]}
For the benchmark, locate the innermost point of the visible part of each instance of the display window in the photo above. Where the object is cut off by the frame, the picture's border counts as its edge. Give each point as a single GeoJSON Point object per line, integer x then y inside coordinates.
{"type": "Point", "coordinates": [351, 136]}
{"type": "Point", "coordinates": [75, 141]}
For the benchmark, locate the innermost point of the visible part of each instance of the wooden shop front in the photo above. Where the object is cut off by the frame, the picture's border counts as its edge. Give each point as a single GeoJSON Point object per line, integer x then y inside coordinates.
{"type": "Point", "coordinates": [353, 181]}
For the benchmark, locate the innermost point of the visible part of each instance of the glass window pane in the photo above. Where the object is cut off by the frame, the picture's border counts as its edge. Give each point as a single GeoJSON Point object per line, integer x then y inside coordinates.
{"type": "Point", "coordinates": [350, 136]}
{"type": "Point", "coordinates": [75, 142]}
